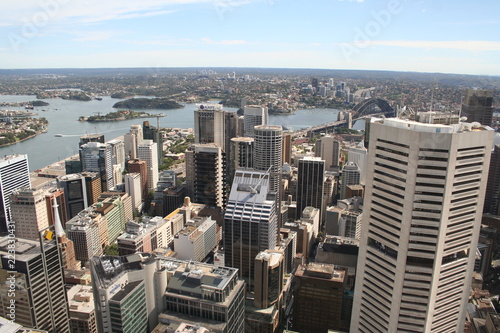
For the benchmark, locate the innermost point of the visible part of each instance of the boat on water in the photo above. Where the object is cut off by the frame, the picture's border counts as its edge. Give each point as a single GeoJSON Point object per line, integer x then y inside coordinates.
{"type": "Point", "coordinates": [58, 135]}
{"type": "Point", "coordinates": [29, 107]}
{"type": "Point", "coordinates": [99, 98]}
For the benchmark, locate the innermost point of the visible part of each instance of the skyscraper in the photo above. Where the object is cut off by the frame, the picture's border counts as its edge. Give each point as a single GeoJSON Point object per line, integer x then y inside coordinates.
{"type": "Point", "coordinates": [268, 153]}
{"type": "Point", "coordinates": [14, 173]}
{"type": "Point", "coordinates": [29, 212]}
{"type": "Point", "coordinates": [421, 221]}
{"type": "Point", "coordinates": [147, 151]}
{"type": "Point", "coordinates": [254, 115]}
{"type": "Point", "coordinates": [287, 148]}
{"type": "Point", "coordinates": [359, 155]}
{"type": "Point", "coordinates": [204, 123]}
{"type": "Point", "coordinates": [96, 157]}
{"type": "Point", "coordinates": [133, 188]}
{"type": "Point", "coordinates": [206, 178]}
{"type": "Point", "coordinates": [117, 149]}
{"type": "Point", "coordinates": [328, 148]}
{"type": "Point", "coordinates": [131, 141]}
{"type": "Point", "coordinates": [241, 155]}
{"type": "Point", "coordinates": [250, 221]}
{"type": "Point", "coordinates": [478, 106]}
{"type": "Point", "coordinates": [75, 193]}
{"type": "Point", "coordinates": [351, 175]}
{"type": "Point", "coordinates": [37, 274]}
{"type": "Point", "coordinates": [310, 184]}
{"type": "Point", "coordinates": [492, 198]}
{"type": "Point", "coordinates": [153, 133]}
{"type": "Point", "coordinates": [140, 167]}
{"type": "Point", "coordinates": [269, 272]}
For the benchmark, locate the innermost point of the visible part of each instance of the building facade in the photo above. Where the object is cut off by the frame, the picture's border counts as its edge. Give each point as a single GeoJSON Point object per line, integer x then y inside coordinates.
{"type": "Point", "coordinates": [250, 221]}
{"type": "Point", "coordinates": [14, 173]}
{"type": "Point", "coordinates": [310, 184]}
{"type": "Point", "coordinates": [147, 151]}
{"type": "Point", "coordinates": [40, 296]}
{"type": "Point", "coordinates": [421, 224]}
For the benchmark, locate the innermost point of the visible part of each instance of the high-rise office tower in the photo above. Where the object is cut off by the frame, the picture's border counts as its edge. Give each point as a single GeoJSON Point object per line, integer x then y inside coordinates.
{"type": "Point", "coordinates": [37, 274]}
{"type": "Point", "coordinates": [254, 115]}
{"type": "Point", "coordinates": [241, 155]}
{"type": "Point", "coordinates": [204, 123]}
{"type": "Point", "coordinates": [29, 212]}
{"type": "Point", "coordinates": [268, 153]}
{"type": "Point", "coordinates": [147, 151]}
{"type": "Point", "coordinates": [153, 133]}
{"type": "Point", "coordinates": [492, 198]}
{"type": "Point", "coordinates": [421, 221]}
{"type": "Point", "coordinates": [14, 173]}
{"type": "Point", "coordinates": [310, 184]}
{"type": "Point", "coordinates": [328, 148]}
{"type": "Point", "coordinates": [75, 193]}
{"type": "Point", "coordinates": [140, 167]}
{"type": "Point", "coordinates": [359, 155]}
{"type": "Point", "coordinates": [96, 157]}
{"type": "Point", "coordinates": [133, 188]}
{"type": "Point", "coordinates": [117, 156]}
{"type": "Point", "coordinates": [269, 272]}
{"type": "Point", "coordinates": [206, 177]}
{"type": "Point", "coordinates": [287, 148]}
{"type": "Point", "coordinates": [250, 221]}
{"type": "Point", "coordinates": [91, 138]}
{"type": "Point", "coordinates": [92, 186]}
{"type": "Point", "coordinates": [131, 141]}
{"type": "Point", "coordinates": [225, 128]}
{"type": "Point", "coordinates": [478, 106]}
{"type": "Point", "coordinates": [351, 175]}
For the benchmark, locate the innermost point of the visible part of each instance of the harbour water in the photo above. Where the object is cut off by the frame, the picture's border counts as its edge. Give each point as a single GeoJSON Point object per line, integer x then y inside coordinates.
{"type": "Point", "coordinates": [63, 116]}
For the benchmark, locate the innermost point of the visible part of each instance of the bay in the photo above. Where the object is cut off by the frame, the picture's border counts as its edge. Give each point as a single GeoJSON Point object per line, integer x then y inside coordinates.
{"type": "Point", "coordinates": [63, 116]}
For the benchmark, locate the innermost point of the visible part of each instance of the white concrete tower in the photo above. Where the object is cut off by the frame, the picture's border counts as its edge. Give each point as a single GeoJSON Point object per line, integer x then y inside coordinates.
{"type": "Point", "coordinates": [423, 205]}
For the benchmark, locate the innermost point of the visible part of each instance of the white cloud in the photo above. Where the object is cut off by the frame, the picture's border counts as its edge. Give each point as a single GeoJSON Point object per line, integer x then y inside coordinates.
{"type": "Point", "coordinates": [88, 36]}
{"type": "Point", "coordinates": [89, 11]}
{"type": "Point", "coordinates": [224, 42]}
{"type": "Point", "coordinates": [469, 45]}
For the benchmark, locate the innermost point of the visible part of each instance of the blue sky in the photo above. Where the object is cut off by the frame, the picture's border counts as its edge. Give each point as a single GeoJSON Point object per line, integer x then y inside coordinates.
{"type": "Point", "coordinates": [425, 36]}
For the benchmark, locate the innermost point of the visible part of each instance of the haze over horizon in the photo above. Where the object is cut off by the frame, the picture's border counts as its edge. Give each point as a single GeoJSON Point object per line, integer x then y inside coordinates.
{"type": "Point", "coordinates": [394, 35]}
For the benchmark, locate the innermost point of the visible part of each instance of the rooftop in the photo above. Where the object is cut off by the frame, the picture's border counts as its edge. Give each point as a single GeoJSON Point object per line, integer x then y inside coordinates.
{"type": "Point", "coordinates": [193, 277]}
{"type": "Point", "coordinates": [81, 299]}
{"type": "Point", "coordinates": [431, 128]}
{"type": "Point", "coordinates": [321, 271]}
{"type": "Point", "coordinates": [242, 139]}
{"type": "Point", "coordinates": [26, 249]}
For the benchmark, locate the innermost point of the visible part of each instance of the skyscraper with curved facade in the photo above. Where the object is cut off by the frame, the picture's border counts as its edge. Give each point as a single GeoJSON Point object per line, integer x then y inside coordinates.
{"type": "Point", "coordinates": [268, 152]}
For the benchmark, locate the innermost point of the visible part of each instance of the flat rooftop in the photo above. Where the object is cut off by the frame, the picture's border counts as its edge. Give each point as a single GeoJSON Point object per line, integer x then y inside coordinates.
{"type": "Point", "coordinates": [431, 128]}
{"type": "Point", "coordinates": [321, 271]}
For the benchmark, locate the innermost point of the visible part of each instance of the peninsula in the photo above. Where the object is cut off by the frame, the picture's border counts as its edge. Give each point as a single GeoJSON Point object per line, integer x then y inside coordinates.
{"type": "Point", "coordinates": [116, 116]}
{"type": "Point", "coordinates": [148, 103]}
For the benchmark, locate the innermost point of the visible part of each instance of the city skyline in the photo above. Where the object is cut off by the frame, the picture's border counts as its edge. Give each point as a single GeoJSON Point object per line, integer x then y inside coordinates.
{"type": "Point", "coordinates": [396, 35]}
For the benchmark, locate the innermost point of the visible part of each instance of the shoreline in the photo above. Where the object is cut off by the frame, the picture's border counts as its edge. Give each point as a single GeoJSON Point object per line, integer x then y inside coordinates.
{"type": "Point", "coordinates": [21, 140]}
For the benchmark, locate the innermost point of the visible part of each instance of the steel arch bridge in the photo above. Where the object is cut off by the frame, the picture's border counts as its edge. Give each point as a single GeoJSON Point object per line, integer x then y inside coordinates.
{"type": "Point", "coordinates": [363, 108]}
